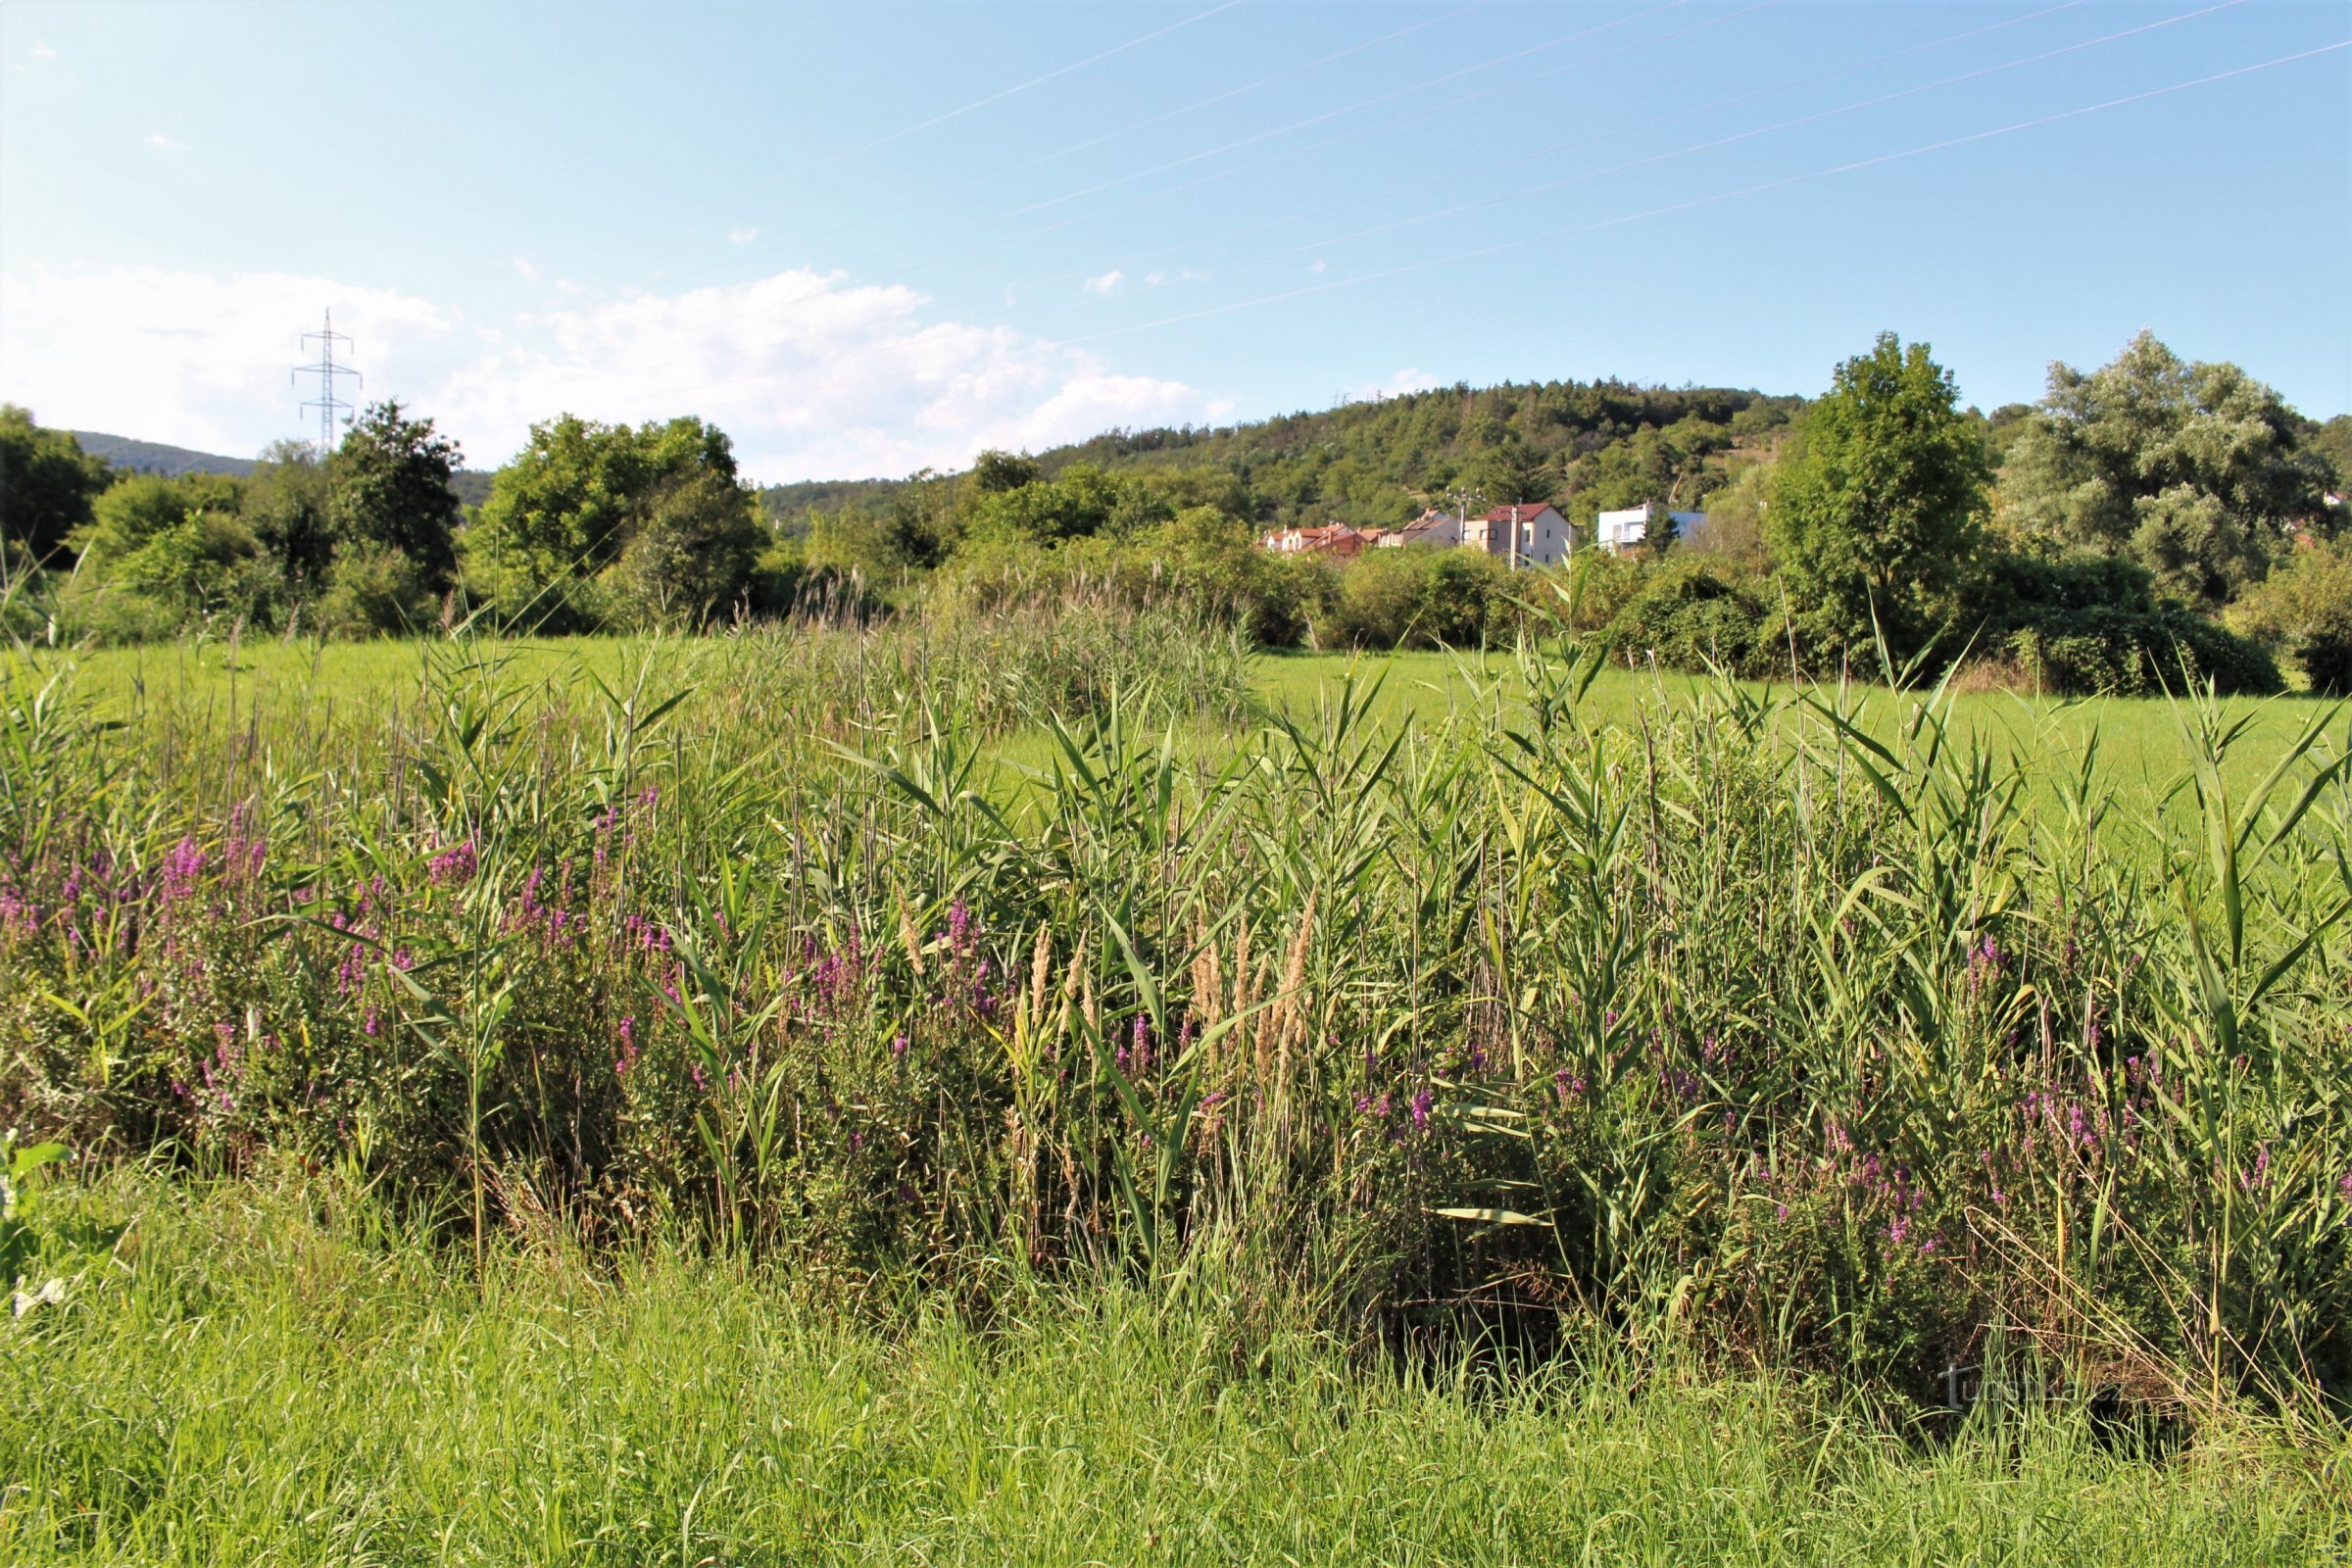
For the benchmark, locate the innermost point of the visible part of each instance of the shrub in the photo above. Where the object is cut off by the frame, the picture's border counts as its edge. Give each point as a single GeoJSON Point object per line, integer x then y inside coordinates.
{"type": "Point", "coordinates": [375, 591]}
{"type": "Point", "coordinates": [2112, 651]}
{"type": "Point", "coordinates": [2304, 609]}
{"type": "Point", "coordinates": [1418, 599]}
{"type": "Point", "coordinates": [1691, 616]}
{"type": "Point", "coordinates": [2093, 625]}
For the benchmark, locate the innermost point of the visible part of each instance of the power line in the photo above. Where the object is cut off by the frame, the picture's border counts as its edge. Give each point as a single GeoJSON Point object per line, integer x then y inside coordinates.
{"type": "Point", "coordinates": [1482, 252]}
{"type": "Point", "coordinates": [1708, 201]}
{"type": "Point", "coordinates": [1038, 81]}
{"type": "Point", "coordinates": [1454, 175]}
{"type": "Point", "coordinates": [1718, 142]}
{"type": "Point", "coordinates": [1095, 141]}
{"type": "Point", "coordinates": [1666, 5]}
{"type": "Point", "coordinates": [1367, 103]}
{"type": "Point", "coordinates": [822, 290]}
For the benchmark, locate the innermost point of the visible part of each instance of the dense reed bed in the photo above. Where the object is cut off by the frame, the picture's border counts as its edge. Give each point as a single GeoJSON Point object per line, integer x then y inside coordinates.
{"type": "Point", "coordinates": [1745, 1029]}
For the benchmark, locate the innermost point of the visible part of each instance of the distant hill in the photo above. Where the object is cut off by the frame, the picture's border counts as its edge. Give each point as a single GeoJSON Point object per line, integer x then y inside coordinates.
{"type": "Point", "coordinates": [1593, 444]}
{"type": "Point", "coordinates": [153, 457]}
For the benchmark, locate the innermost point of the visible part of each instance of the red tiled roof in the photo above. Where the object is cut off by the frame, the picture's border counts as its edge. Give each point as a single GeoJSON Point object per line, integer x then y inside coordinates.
{"type": "Point", "coordinates": [1523, 511]}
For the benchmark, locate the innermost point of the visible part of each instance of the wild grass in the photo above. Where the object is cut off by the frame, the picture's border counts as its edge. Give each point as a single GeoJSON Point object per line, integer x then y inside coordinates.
{"type": "Point", "coordinates": [1818, 1030]}
{"type": "Point", "coordinates": [275, 1371]}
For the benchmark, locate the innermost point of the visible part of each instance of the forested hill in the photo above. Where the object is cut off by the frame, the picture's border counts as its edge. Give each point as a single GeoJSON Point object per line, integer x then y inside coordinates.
{"type": "Point", "coordinates": [155, 457]}
{"type": "Point", "coordinates": [1588, 444]}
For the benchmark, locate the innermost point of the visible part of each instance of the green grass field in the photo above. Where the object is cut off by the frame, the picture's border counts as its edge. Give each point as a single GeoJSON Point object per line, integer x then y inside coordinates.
{"type": "Point", "coordinates": [2138, 741]}
{"type": "Point", "coordinates": [265, 1377]}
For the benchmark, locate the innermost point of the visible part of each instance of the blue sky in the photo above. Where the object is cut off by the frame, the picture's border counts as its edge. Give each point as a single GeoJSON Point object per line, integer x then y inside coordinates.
{"type": "Point", "coordinates": [868, 237]}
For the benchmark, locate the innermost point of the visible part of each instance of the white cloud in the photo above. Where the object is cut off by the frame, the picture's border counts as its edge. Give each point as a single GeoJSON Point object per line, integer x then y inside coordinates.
{"type": "Point", "coordinates": [530, 273]}
{"type": "Point", "coordinates": [212, 354]}
{"type": "Point", "coordinates": [41, 51]}
{"type": "Point", "coordinates": [1104, 285]}
{"type": "Point", "coordinates": [742, 236]}
{"type": "Point", "coordinates": [157, 139]}
{"type": "Point", "coordinates": [1316, 266]}
{"type": "Point", "coordinates": [1409, 379]}
{"type": "Point", "coordinates": [812, 374]}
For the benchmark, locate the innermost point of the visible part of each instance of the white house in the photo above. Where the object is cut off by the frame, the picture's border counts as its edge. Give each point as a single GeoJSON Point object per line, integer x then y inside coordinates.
{"type": "Point", "coordinates": [1524, 535]}
{"type": "Point", "coordinates": [1624, 531]}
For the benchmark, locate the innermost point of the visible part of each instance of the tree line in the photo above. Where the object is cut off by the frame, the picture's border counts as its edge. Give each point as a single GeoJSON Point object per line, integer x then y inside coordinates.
{"type": "Point", "coordinates": [2147, 516]}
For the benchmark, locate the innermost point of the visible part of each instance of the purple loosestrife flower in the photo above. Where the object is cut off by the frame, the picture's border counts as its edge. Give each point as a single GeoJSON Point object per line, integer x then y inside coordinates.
{"type": "Point", "coordinates": [897, 1047]}
{"type": "Point", "coordinates": [453, 866]}
{"type": "Point", "coordinates": [181, 867]}
{"type": "Point", "coordinates": [628, 1048]}
{"type": "Point", "coordinates": [1423, 1099]}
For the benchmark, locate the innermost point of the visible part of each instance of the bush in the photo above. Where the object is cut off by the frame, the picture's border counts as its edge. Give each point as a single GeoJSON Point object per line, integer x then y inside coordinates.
{"type": "Point", "coordinates": [2304, 609]}
{"type": "Point", "coordinates": [373, 591]}
{"type": "Point", "coordinates": [1418, 599]}
{"type": "Point", "coordinates": [1202, 559]}
{"type": "Point", "coordinates": [1691, 616]}
{"type": "Point", "coordinates": [2093, 625]}
{"type": "Point", "coordinates": [2113, 650]}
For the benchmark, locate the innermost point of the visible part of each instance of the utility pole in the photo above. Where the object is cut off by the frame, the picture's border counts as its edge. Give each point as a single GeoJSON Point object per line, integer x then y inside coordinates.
{"type": "Point", "coordinates": [327, 403]}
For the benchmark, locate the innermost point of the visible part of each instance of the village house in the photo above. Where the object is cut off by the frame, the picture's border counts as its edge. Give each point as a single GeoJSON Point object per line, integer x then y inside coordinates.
{"type": "Point", "coordinates": [1433, 529]}
{"type": "Point", "coordinates": [1524, 535]}
{"type": "Point", "coordinates": [1625, 531]}
{"type": "Point", "coordinates": [1332, 539]}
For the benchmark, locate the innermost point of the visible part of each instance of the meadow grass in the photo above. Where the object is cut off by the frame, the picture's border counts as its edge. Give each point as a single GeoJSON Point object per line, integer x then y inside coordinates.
{"type": "Point", "coordinates": [1843, 1033]}
{"type": "Point", "coordinates": [273, 1371]}
{"type": "Point", "coordinates": [2138, 741]}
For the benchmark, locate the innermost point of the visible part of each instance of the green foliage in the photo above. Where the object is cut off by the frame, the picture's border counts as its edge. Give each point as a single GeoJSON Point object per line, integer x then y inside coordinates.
{"type": "Point", "coordinates": [1375, 462]}
{"type": "Point", "coordinates": [2332, 444]}
{"type": "Point", "coordinates": [176, 551]}
{"type": "Point", "coordinates": [2093, 625]}
{"type": "Point", "coordinates": [964, 951]}
{"type": "Point", "coordinates": [2191, 470]}
{"type": "Point", "coordinates": [1419, 599]}
{"type": "Point", "coordinates": [373, 591]}
{"type": "Point", "coordinates": [2304, 609]}
{"type": "Point", "coordinates": [653, 518]}
{"type": "Point", "coordinates": [391, 487]}
{"type": "Point", "coordinates": [1692, 615]}
{"type": "Point", "coordinates": [2114, 652]}
{"type": "Point", "coordinates": [289, 502]}
{"type": "Point", "coordinates": [1877, 518]}
{"type": "Point", "coordinates": [47, 483]}
{"type": "Point", "coordinates": [1511, 473]}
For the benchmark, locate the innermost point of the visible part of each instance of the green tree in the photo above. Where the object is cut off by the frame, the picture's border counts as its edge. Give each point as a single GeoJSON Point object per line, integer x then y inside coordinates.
{"type": "Point", "coordinates": [582, 496]}
{"type": "Point", "coordinates": [994, 471]}
{"type": "Point", "coordinates": [47, 484]}
{"type": "Point", "coordinates": [2304, 609]}
{"type": "Point", "coordinates": [1878, 514]}
{"type": "Point", "coordinates": [1513, 473]}
{"type": "Point", "coordinates": [2194, 470]}
{"type": "Point", "coordinates": [391, 483]}
{"type": "Point", "coordinates": [2332, 444]}
{"type": "Point", "coordinates": [690, 558]}
{"type": "Point", "coordinates": [179, 543]}
{"type": "Point", "coordinates": [289, 504]}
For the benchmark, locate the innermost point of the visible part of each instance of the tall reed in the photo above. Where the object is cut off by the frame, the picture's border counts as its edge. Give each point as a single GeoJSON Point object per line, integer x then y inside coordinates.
{"type": "Point", "coordinates": [961, 952]}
